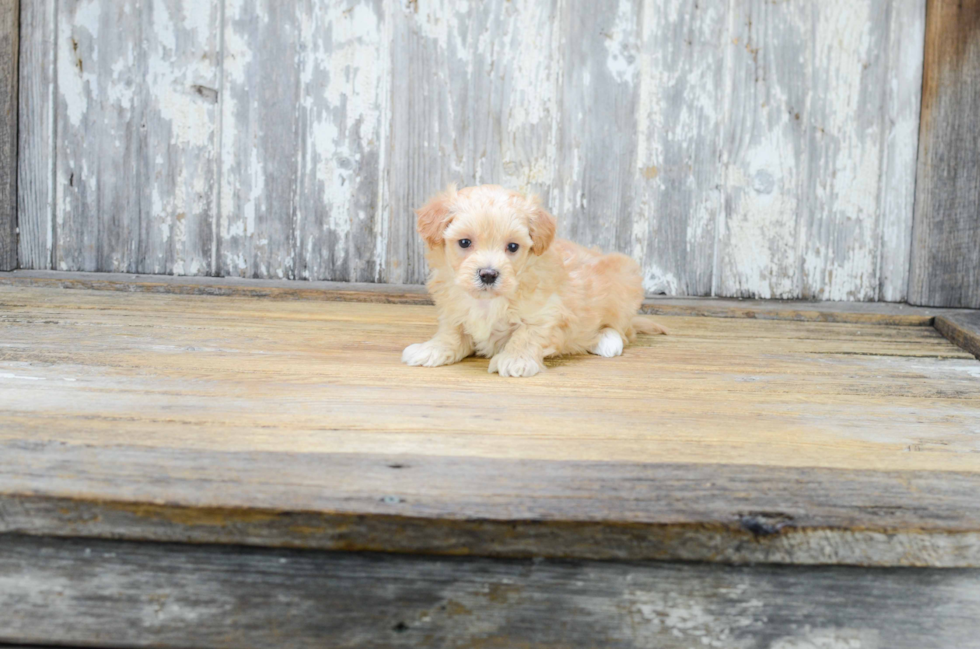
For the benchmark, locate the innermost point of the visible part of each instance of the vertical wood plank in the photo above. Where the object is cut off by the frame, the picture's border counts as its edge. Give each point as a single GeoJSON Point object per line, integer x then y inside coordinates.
{"type": "Point", "coordinates": [945, 268]}
{"type": "Point", "coordinates": [99, 119]}
{"type": "Point", "coordinates": [903, 83]}
{"type": "Point", "coordinates": [841, 156]}
{"type": "Point", "coordinates": [598, 143]}
{"type": "Point", "coordinates": [260, 130]}
{"type": "Point", "coordinates": [680, 119]}
{"type": "Point", "coordinates": [474, 100]}
{"type": "Point", "coordinates": [35, 166]}
{"type": "Point", "coordinates": [178, 148]}
{"type": "Point", "coordinates": [343, 63]}
{"type": "Point", "coordinates": [301, 136]}
{"type": "Point", "coordinates": [758, 245]}
{"type": "Point", "coordinates": [9, 72]}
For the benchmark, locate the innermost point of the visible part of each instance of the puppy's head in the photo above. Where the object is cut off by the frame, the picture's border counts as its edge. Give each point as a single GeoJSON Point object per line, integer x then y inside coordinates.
{"type": "Point", "coordinates": [487, 234]}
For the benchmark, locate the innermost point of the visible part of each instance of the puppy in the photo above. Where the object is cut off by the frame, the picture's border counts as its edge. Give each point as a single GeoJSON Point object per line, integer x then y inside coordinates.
{"type": "Point", "coordinates": [507, 290]}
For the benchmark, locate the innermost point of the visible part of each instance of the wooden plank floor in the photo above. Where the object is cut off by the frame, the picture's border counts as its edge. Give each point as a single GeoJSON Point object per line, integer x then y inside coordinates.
{"type": "Point", "coordinates": [182, 410]}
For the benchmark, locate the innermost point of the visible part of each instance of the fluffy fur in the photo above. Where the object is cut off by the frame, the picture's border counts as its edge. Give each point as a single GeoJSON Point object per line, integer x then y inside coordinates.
{"type": "Point", "coordinates": [549, 296]}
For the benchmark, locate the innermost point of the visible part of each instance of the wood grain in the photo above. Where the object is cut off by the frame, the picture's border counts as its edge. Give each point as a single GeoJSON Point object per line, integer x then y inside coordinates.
{"type": "Point", "coordinates": [178, 137]}
{"type": "Point", "coordinates": [118, 594]}
{"type": "Point", "coordinates": [389, 501]}
{"type": "Point", "coordinates": [36, 156]}
{"type": "Point", "coordinates": [9, 74]}
{"type": "Point", "coordinates": [945, 268]}
{"type": "Point", "coordinates": [594, 188]}
{"type": "Point", "coordinates": [802, 142]}
{"type": "Point", "coordinates": [679, 174]}
{"type": "Point", "coordinates": [301, 148]}
{"type": "Point", "coordinates": [100, 66]}
{"type": "Point", "coordinates": [902, 106]}
{"type": "Point", "coordinates": [962, 329]}
{"type": "Point", "coordinates": [244, 401]}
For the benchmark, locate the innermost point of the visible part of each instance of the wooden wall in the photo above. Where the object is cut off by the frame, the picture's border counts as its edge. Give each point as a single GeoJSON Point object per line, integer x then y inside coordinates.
{"type": "Point", "coordinates": [945, 267]}
{"type": "Point", "coordinates": [739, 148]}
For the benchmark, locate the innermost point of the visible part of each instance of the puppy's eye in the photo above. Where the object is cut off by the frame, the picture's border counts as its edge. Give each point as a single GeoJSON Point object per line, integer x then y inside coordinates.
{"type": "Point", "coordinates": [464, 243]}
{"type": "Point", "coordinates": [512, 247]}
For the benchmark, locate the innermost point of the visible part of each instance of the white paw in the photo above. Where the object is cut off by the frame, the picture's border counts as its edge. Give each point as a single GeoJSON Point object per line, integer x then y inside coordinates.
{"type": "Point", "coordinates": [429, 354]}
{"type": "Point", "coordinates": [610, 344]}
{"type": "Point", "coordinates": [507, 365]}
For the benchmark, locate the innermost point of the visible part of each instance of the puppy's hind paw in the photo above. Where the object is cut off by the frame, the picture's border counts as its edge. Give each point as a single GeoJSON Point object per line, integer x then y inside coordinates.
{"type": "Point", "coordinates": [516, 366]}
{"type": "Point", "coordinates": [610, 344]}
{"type": "Point", "coordinates": [429, 354]}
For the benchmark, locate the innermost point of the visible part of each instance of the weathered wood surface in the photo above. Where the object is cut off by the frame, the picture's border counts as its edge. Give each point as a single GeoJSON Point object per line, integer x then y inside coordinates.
{"type": "Point", "coordinates": [880, 313]}
{"type": "Point", "coordinates": [734, 148]}
{"type": "Point", "coordinates": [142, 595]}
{"type": "Point", "coordinates": [9, 72]}
{"type": "Point", "coordinates": [137, 85]}
{"type": "Point", "coordinates": [293, 422]}
{"type": "Point", "coordinates": [301, 139]}
{"type": "Point", "coordinates": [389, 501]}
{"type": "Point", "coordinates": [945, 268]}
{"type": "Point", "coordinates": [36, 172]}
{"type": "Point", "coordinates": [963, 329]}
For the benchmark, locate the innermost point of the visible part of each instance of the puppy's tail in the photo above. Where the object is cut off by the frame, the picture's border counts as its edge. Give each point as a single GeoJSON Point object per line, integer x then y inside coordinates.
{"type": "Point", "coordinates": [644, 325]}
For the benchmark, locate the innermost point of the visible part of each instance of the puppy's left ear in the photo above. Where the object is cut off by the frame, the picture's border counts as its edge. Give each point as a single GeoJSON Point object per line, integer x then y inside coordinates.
{"type": "Point", "coordinates": [542, 229]}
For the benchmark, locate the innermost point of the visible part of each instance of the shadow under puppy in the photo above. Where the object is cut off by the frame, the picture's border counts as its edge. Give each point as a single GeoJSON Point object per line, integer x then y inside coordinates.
{"type": "Point", "coordinates": [508, 290]}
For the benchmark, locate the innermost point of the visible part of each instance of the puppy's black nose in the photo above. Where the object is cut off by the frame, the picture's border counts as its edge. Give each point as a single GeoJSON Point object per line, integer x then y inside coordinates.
{"type": "Point", "coordinates": [488, 275]}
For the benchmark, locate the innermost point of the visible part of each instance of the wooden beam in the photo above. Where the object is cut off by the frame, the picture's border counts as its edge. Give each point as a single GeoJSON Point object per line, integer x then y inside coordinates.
{"type": "Point", "coordinates": [9, 72]}
{"type": "Point", "coordinates": [413, 503]}
{"type": "Point", "coordinates": [945, 268]}
{"type": "Point", "coordinates": [111, 593]}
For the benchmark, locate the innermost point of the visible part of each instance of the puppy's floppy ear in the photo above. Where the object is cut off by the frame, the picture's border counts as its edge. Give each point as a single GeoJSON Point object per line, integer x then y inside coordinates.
{"type": "Point", "coordinates": [542, 228]}
{"type": "Point", "coordinates": [435, 216]}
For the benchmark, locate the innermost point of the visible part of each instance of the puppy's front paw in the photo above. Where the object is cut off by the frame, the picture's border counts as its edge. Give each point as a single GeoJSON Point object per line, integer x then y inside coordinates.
{"type": "Point", "coordinates": [509, 365]}
{"type": "Point", "coordinates": [429, 354]}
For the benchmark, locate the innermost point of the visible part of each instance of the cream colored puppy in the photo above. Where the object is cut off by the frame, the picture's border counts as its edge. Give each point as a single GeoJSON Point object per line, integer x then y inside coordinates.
{"type": "Point", "coordinates": [507, 290]}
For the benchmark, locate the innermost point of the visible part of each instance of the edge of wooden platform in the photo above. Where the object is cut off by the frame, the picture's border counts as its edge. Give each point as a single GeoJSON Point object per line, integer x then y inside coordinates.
{"type": "Point", "coordinates": [961, 329]}
{"type": "Point", "coordinates": [466, 506]}
{"type": "Point", "coordinates": [880, 313]}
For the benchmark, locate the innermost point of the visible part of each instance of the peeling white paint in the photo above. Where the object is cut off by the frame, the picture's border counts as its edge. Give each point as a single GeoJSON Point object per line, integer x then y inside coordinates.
{"type": "Point", "coordinates": [810, 192]}
{"type": "Point", "coordinates": [763, 223]}
{"type": "Point", "coordinates": [657, 280]}
{"type": "Point", "coordinates": [621, 44]}
{"type": "Point", "coordinates": [654, 614]}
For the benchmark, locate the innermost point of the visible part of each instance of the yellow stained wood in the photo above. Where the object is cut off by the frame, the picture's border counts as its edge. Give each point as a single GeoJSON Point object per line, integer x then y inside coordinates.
{"type": "Point", "coordinates": [250, 374]}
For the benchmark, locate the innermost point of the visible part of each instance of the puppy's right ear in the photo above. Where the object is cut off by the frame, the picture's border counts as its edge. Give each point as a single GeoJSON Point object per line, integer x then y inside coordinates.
{"type": "Point", "coordinates": [435, 216]}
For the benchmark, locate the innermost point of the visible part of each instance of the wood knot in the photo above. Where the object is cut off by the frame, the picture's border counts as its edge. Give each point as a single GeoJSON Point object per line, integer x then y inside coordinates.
{"type": "Point", "coordinates": [764, 523]}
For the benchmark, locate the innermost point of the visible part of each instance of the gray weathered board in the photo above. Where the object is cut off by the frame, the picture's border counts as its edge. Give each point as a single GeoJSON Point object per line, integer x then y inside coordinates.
{"type": "Point", "coordinates": [945, 268]}
{"type": "Point", "coordinates": [107, 593]}
{"type": "Point", "coordinates": [742, 148]}
{"type": "Point", "coordinates": [8, 133]}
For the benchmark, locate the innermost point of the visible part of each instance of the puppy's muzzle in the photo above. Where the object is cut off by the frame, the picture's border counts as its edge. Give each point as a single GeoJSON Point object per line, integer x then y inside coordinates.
{"type": "Point", "coordinates": [488, 276]}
